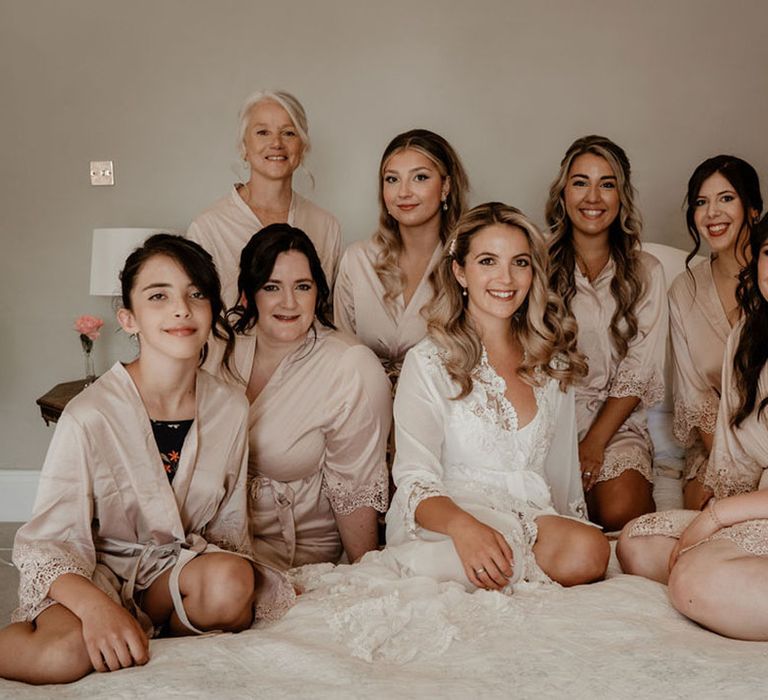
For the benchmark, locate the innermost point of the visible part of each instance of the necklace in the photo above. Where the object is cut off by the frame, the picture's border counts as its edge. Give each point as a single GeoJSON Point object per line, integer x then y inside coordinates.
{"type": "Point", "coordinates": [586, 270]}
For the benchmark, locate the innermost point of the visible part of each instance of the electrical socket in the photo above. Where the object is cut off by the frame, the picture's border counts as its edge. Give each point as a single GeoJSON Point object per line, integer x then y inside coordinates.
{"type": "Point", "coordinates": [102, 172]}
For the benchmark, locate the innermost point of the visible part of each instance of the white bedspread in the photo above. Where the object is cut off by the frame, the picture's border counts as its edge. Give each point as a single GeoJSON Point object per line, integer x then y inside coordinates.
{"type": "Point", "coordinates": [615, 639]}
{"type": "Point", "coordinates": [363, 632]}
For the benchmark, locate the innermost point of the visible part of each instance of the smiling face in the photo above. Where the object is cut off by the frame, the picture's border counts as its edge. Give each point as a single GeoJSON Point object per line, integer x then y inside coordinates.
{"type": "Point", "coordinates": [413, 188]}
{"type": "Point", "coordinates": [171, 316]}
{"type": "Point", "coordinates": [286, 302]}
{"type": "Point", "coordinates": [591, 195]}
{"type": "Point", "coordinates": [497, 273]}
{"type": "Point", "coordinates": [719, 214]}
{"type": "Point", "coordinates": [273, 147]}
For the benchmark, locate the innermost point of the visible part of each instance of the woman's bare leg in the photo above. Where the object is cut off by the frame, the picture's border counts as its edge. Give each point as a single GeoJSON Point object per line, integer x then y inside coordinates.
{"type": "Point", "coordinates": [49, 650]}
{"type": "Point", "coordinates": [570, 552]}
{"type": "Point", "coordinates": [646, 556]}
{"type": "Point", "coordinates": [615, 502]}
{"type": "Point", "coordinates": [217, 591]}
{"type": "Point", "coordinates": [724, 589]}
{"type": "Point", "coordinates": [695, 495]}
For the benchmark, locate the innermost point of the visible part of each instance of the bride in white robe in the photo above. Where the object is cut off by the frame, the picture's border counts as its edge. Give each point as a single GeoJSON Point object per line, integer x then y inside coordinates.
{"type": "Point", "coordinates": [489, 494]}
{"type": "Point", "coordinates": [486, 458]}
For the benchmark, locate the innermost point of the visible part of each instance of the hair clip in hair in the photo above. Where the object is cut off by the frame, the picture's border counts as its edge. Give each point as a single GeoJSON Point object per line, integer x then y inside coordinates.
{"type": "Point", "coordinates": [452, 248]}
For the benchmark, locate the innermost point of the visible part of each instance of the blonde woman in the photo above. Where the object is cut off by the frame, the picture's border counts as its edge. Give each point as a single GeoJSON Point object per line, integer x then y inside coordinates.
{"type": "Point", "coordinates": [384, 283]}
{"type": "Point", "coordinates": [273, 139]}
{"type": "Point", "coordinates": [489, 492]}
{"type": "Point", "coordinates": [617, 295]}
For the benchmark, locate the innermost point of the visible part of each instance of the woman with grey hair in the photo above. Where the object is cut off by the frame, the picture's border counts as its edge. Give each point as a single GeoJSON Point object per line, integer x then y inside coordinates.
{"type": "Point", "coordinates": [273, 138]}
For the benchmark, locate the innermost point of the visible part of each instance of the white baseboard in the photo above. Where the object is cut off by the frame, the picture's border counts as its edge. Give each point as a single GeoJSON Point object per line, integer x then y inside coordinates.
{"type": "Point", "coordinates": [17, 494]}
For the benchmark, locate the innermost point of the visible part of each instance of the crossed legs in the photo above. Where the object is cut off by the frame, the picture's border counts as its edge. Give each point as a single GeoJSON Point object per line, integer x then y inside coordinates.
{"type": "Point", "coordinates": [217, 591]}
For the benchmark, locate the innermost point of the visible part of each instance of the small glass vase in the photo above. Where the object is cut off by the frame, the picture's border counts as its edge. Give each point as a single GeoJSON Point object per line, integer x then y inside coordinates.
{"type": "Point", "coordinates": [90, 373]}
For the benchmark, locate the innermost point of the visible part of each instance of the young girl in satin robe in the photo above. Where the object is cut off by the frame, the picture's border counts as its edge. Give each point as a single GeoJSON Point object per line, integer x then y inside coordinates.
{"type": "Point", "coordinates": [141, 493]}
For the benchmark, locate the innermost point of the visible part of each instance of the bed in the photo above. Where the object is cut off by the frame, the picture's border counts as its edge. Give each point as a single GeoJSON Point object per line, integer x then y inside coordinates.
{"type": "Point", "coordinates": [364, 632]}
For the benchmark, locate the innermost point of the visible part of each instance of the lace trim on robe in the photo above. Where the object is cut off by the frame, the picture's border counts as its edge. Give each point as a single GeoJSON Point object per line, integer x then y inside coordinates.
{"type": "Point", "coordinates": [420, 491]}
{"type": "Point", "coordinates": [636, 458]}
{"type": "Point", "coordinates": [496, 408]}
{"type": "Point", "coordinates": [229, 537]}
{"type": "Point", "coordinates": [649, 389]}
{"type": "Point", "coordinates": [686, 418]}
{"type": "Point", "coordinates": [722, 481]}
{"type": "Point", "coordinates": [39, 565]}
{"type": "Point", "coordinates": [531, 571]}
{"type": "Point", "coordinates": [750, 535]}
{"type": "Point", "coordinates": [668, 523]}
{"type": "Point", "coordinates": [345, 501]}
{"type": "Point", "coordinates": [278, 605]}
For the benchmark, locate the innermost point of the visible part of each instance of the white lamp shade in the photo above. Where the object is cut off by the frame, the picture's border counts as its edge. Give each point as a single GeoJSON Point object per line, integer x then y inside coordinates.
{"type": "Point", "coordinates": [111, 246]}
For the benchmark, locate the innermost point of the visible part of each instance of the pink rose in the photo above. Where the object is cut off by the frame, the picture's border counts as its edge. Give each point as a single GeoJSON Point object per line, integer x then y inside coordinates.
{"type": "Point", "coordinates": [89, 326]}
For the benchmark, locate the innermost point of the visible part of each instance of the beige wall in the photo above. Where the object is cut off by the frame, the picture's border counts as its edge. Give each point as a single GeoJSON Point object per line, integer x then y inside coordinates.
{"type": "Point", "coordinates": [155, 85]}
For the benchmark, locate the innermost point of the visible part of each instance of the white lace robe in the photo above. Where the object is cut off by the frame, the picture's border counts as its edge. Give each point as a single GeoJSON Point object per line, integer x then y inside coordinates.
{"type": "Point", "coordinates": [472, 451]}
{"type": "Point", "coordinates": [106, 510]}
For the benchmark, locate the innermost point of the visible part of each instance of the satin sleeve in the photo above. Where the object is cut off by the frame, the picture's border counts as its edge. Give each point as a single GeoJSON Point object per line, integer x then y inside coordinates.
{"type": "Point", "coordinates": [228, 528]}
{"type": "Point", "coordinates": [641, 371]}
{"type": "Point", "coordinates": [695, 403]}
{"type": "Point", "coordinates": [731, 469]}
{"type": "Point", "coordinates": [360, 406]}
{"type": "Point", "coordinates": [419, 434]}
{"type": "Point", "coordinates": [57, 540]}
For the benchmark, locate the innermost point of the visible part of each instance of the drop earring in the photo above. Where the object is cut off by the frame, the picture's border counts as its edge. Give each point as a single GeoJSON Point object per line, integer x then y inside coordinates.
{"type": "Point", "coordinates": [464, 291]}
{"type": "Point", "coordinates": [445, 204]}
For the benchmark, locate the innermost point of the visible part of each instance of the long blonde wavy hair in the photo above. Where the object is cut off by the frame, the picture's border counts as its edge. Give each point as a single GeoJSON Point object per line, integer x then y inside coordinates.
{"type": "Point", "coordinates": [627, 286]}
{"type": "Point", "coordinates": [546, 333]}
{"type": "Point", "coordinates": [387, 236]}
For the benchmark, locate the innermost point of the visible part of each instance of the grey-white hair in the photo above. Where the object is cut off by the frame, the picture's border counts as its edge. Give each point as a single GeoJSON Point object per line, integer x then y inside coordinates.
{"type": "Point", "coordinates": [287, 101]}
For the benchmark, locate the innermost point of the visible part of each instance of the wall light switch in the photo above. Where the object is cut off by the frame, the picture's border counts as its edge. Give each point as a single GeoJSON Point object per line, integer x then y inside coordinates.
{"type": "Point", "coordinates": [102, 172]}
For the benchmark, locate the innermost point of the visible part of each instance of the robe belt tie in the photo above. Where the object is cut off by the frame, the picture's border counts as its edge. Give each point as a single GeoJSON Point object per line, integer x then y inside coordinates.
{"type": "Point", "coordinates": [283, 498]}
{"type": "Point", "coordinates": [156, 557]}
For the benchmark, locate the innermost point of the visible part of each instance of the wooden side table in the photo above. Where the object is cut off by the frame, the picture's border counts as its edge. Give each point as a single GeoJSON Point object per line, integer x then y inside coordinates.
{"type": "Point", "coordinates": [52, 403]}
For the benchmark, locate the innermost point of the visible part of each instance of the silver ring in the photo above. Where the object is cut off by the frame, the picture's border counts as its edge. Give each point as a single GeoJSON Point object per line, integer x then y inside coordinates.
{"type": "Point", "coordinates": [479, 571]}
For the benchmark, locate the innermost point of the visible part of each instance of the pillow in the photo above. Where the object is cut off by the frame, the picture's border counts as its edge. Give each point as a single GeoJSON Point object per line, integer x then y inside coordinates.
{"type": "Point", "coordinates": [669, 454]}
